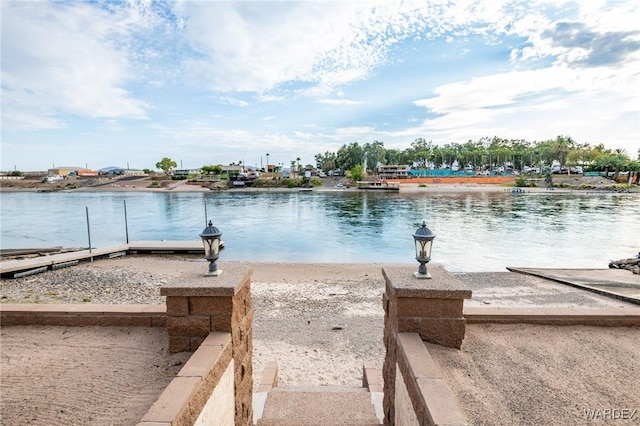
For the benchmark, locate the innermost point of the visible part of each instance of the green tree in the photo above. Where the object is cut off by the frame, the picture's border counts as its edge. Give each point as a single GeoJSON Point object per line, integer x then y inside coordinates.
{"type": "Point", "coordinates": [393, 156]}
{"type": "Point", "coordinates": [326, 161]}
{"type": "Point", "coordinates": [357, 173]}
{"type": "Point", "coordinates": [581, 155]}
{"type": "Point", "coordinates": [561, 147]}
{"type": "Point", "coordinates": [166, 164]}
{"type": "Point", "coordinates": [616, 160]}
{"type": "Point", "coordinates": [349, 156]}
{"type": "Point", "coordinates": [422, 151]}
{"type": "Point", "coordinates": [211, 170]}
{"type": "Point", "coordinates": [634, 169]}
{"type": "Point", "coordinates": [374, 154]}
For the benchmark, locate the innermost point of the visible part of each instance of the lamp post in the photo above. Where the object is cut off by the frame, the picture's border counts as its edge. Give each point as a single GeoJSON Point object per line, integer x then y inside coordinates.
{"type": "Point", "coordinates": [423, 239]}
{"type": "Point", "coordinates": [267, 170]}
{"type": "Point", "coordinates": [211, 241]}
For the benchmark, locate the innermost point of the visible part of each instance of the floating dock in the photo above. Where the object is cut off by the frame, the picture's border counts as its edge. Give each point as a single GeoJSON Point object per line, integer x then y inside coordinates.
{"type": "Point", "coordinates": [17, 268]}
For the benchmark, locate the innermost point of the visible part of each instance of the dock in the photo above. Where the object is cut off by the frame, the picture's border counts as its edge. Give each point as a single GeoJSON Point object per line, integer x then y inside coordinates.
{"type": "Point", "coordinates": [378, 185]}
{"type": "Point", "coordinates": [16, 268]}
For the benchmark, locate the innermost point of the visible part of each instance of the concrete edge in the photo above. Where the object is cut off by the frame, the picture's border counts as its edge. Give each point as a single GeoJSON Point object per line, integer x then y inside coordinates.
{"type": "Point", "coordinates": [433, 401]}
{"type": "Point", "coordinates": [370, 378]}
{"type": "Point", "coordinates": [79, 315]}
{"type": "Point", "coordinates": [269, 377]}
{"type": "Point", "coordinates": [184, 398]}
{"type": "Point", "coordinates": [600, 317]}
{"type": "Point", "coordinates": [598, 290]}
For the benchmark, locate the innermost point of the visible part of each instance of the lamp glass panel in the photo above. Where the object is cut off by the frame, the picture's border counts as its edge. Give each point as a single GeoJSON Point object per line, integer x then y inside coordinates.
{"type": "Point", "coordinates": [207, 245]}
{"type": "Point", "coordinates": [427, 249]}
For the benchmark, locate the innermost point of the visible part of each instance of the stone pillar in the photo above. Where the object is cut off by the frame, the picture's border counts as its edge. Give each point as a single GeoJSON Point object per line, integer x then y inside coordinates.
{"type": "Point", "coordinates": [198, 305]}
{"type": "Point", "coordinates": [429, 307]}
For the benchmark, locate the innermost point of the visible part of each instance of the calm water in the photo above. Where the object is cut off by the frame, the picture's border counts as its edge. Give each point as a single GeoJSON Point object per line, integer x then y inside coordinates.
{"type": "Point", "coordinates": [475, 231]}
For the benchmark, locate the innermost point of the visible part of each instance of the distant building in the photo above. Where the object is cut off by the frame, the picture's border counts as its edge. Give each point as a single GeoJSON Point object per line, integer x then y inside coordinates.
{"type": "Point", "coordinates": [186, 172]}
{"type": "Point", "coordinates": [120, 171]}
{"type": "Point", "coordinates": [232, 169]}
{"type": "Point", "coordinates": [394, 171]}
{"type": "Point", "coordinates": [73, 171]}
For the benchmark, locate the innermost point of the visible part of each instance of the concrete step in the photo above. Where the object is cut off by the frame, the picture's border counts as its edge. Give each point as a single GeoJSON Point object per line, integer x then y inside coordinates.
{"type": "Point", "coordinates": [338, 422]}
{"type": "Point", "coordinates": [322, 405]}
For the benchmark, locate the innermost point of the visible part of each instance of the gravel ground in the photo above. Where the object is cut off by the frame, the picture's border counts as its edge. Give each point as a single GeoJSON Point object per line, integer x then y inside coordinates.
{"type": "Point", "coordinates": [137, 280]}
{"type": "Point", "coordinates": [85, 284]}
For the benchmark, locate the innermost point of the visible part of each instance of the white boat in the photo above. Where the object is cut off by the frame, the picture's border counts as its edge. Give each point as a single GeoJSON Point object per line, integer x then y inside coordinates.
{"type": "Point", "coordinates": [54, 178]}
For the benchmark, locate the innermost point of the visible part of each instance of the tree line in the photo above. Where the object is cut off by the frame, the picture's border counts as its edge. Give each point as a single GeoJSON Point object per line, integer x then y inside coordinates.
{"type": "Point", "coordinates": [483, 154]}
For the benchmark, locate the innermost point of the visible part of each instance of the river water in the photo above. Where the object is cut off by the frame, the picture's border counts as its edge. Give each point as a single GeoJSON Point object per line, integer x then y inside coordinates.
{"type": "Point", "coordinates": [474, 231]}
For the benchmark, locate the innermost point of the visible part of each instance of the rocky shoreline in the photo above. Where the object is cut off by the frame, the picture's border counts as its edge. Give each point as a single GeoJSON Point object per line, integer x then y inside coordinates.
{"type": "Point", "coordinates": [562, 183]}
{"type": "Point", "coordinates": [631, 264]}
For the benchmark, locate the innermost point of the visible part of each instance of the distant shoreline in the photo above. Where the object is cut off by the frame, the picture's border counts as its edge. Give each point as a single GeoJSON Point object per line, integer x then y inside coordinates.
{"type": "Point", "coordinates": [143, 184]}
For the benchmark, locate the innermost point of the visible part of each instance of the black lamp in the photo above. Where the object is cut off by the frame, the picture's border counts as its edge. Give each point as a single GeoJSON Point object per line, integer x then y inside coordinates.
{"type": "Point", "coordinates": [423, 239]}
{"type": "Point", "coordinates": [211, 241]}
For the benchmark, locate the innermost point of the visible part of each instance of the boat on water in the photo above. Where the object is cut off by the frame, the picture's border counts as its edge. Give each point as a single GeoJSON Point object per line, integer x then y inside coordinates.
{"type": "Point", "coordinates": [379, 186]}
{"type": "Point", "coordinates": [241, 180]}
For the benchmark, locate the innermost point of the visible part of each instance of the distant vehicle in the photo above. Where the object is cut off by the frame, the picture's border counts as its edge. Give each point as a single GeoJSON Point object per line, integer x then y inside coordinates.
{"type": "Point", "coordinates": [322, 174]}
{"type": "Point", "coordinates": [50, 179]}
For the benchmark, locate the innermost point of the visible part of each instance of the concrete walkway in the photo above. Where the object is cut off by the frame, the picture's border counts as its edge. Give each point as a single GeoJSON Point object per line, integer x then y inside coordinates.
{"type": "Point", "coordinates": [618, 283]}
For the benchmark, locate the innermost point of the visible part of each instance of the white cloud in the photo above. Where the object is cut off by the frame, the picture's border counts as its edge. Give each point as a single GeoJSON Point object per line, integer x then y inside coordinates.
{"type": "Point", "coordinates": [57, 58]}
{"type": "Point", "coordinates": [338, 102]}
{"type": "Point", "coordinates": [355, 131]}
{"type": "Point", "coordinates": [590, 105]}
{"type": "Point", "coordinates": [233, 101]}
{"type": "Point", "coordinates": [325, 44]}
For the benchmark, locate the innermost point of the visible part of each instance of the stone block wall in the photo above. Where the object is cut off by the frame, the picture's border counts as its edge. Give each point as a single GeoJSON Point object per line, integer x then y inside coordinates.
{"type": "Point", "coordinates": [201, 390]}
{"type": "Point", "coordinates": [198, 305]}
{"type": "Point", "coordinates": [432, 308]}
{"type": "Point", "coordinates": [422, 397]}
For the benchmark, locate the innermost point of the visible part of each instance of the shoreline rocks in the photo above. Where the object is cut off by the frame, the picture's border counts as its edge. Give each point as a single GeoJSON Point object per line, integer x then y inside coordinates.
{"type": "Point", "coordinates": [631, 264]}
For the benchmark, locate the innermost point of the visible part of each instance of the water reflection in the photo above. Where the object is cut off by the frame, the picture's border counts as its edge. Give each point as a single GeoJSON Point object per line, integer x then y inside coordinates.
{"type": "Point", "coordinates": [475, 231]}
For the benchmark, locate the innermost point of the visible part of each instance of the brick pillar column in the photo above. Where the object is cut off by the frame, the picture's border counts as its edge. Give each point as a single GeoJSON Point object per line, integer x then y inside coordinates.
{"type": "Point", "coordinates": [198, 305]}
{"type": "Point", "coordinates": [430, 307]}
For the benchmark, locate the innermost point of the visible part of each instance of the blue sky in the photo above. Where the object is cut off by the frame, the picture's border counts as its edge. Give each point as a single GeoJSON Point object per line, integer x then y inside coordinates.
{"type": "Point", "coordinates": [103, 83]}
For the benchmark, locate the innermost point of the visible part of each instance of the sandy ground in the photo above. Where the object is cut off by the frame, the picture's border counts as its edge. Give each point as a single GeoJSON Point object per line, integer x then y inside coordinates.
{"type": "Point", "coordinates": [320, 322]}
{"type": "Point", "coordinates": [83, 375]}
{"type": "Point", "coordinates": [545, 375]}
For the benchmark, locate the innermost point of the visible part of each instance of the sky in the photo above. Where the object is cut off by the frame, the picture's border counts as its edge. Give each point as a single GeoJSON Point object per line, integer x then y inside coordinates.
{"type": "Point", "coordinates": [126, 83]}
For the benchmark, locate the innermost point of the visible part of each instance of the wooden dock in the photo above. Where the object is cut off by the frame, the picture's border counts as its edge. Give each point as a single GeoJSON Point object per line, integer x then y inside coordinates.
{"type": "Point", "coordinates": [378, 186]}
{"type": "Point", "coordinates": [16, 268]}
